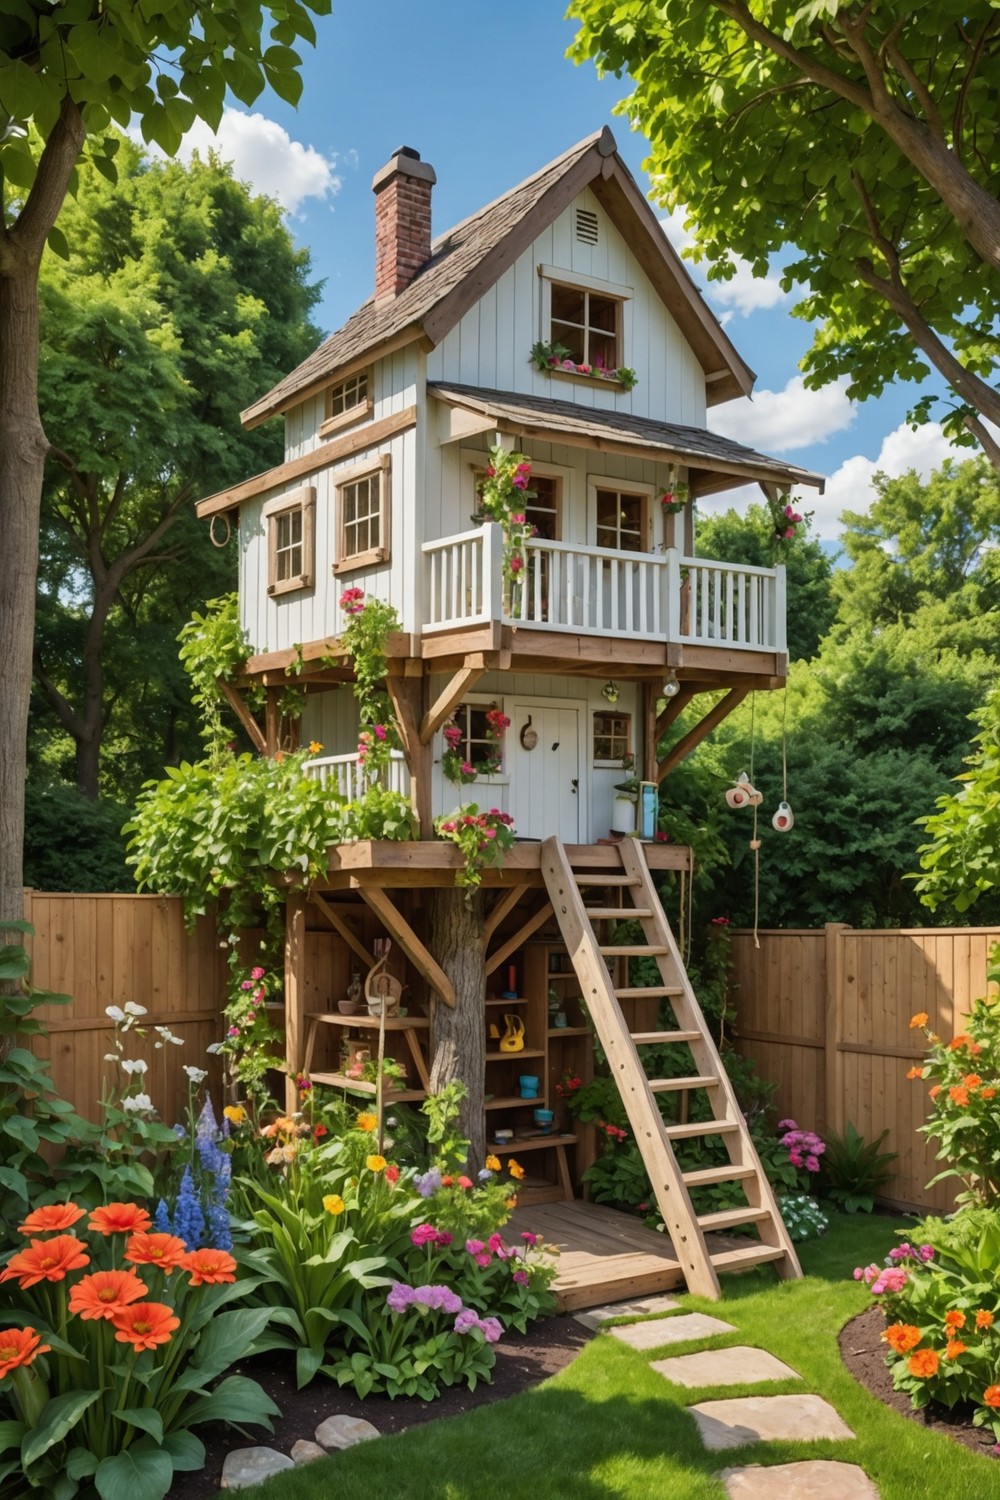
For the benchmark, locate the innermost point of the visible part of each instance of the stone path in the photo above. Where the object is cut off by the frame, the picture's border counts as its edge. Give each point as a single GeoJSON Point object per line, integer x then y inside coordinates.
{"type": "Point", "coordinates": [741, 1420]}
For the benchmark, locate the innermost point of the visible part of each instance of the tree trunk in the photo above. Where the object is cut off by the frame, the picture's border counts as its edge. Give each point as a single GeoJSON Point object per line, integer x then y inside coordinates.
{"type": "Point", "coordinates": [22, 459]}
{"type": "Point", "coordinates": [458, 1037]}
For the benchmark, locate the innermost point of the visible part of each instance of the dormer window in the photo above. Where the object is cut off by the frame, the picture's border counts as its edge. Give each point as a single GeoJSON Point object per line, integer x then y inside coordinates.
{"type": "Point", "coordinates": [588, 324]}
{"type": "Point", "coordinates": [348, 401]}
{"type": "Point", "coordinates": [291, 543]}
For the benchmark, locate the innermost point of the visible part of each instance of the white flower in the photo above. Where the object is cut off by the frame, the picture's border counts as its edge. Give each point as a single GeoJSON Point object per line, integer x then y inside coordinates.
{"type": "Point", "coordinates": [136, 1103]}
{"type": "Point", "coordinates": [168, 1036]}
{"type": "Point", "coordinates": [134, 1065]}
{"type": "Point", "coordinates": [196, 1075]}
{"type": "Point", "coordinates": [214, 1048]}
{"type": "Point", "coordinates": [131, 1009]}
{"type": "Point", "coordinates": [115, 1012]}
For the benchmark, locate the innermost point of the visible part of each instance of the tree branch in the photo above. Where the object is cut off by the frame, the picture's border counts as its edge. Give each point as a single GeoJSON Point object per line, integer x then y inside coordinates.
{"type": "Point", "coordinates": [919, 89]}
{"type": "Point", "coordinates": [48, 191]}
{"type": "Point", "coordinates": [64, 710]}
{"type": "Point", "coordinates": [958, 117]}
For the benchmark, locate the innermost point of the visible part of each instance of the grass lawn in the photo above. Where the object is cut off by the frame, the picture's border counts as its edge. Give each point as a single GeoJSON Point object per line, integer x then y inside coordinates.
{"type": "Point", "coordinates": [608, 1426]}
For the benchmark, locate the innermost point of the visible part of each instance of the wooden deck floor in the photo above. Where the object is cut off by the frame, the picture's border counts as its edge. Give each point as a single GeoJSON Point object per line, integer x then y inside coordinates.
{"type": "Point", "coordinates": [604, 1256]}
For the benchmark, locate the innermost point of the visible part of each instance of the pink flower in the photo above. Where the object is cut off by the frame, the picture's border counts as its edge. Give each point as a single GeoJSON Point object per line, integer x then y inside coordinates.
{"type": "Point", "coordinates": [474, 1247]}
{"type": "Point", "coordinates": [528, 1237]}
{"type": "Point", "coordinates": [583, 369]}
{"type": "Point", "coordinates": [233, 1031]}
{"type": "Point", "coordinates": [246, 985]}
{"type": "Point", "coordinates": [518, 519]}
{"type": "Point", "coordinates": [516, 564]}
{"type": "Point", "coordinates": [468, 769]}
{"type": "Point", "coordinates": [495, 1242]}
{"type": "Point", "coordinates": [520, 481]}
{"type": "Point", "coordinates": [892, 1280]}
{"type": "Point", "coordinates": [484, 1259]}
{"type": "Point", "coordinates": [380, 731]}
{"type": "Point", "coordinates": [568, 364]}
{"type": "Point", "coordinates": [257, 973]}
{"type": "Point", "coordinates": [521, 1277]}
{"type": "Point", "coordinates": [812, 1163]}
{"type": "Point", "coordinates": [465, 1182]}
{"type": "Point", "coordinates": [789, 533]}
{"type": "Point", "coordinates": [423, 1234]}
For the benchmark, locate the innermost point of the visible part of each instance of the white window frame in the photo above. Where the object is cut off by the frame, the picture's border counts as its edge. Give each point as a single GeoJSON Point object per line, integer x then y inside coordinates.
{"type": "Point", "coordinates": [304, 501]}
{"type": "Point", "coordinates": [357, 412]}
{"type": "Point", "coordinates": [485, 701]}
{"type": "Point", "coordinates": [603, 762]}
{"type": "Point", "coordinates": [647, 492]}
{"type": "Point", "coordinates": [349, 562]}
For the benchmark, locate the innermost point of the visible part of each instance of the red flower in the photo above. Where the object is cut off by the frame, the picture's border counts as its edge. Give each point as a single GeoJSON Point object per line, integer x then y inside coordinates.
{"type": "Point", "coordinates": [120, 1218]}
{"type": "Point", "coordinates": [209, 1267]}
{"type": "Point", "coordinates": [46, 1260]}
{"type": "Point", "coordinates": [465, 1182]}
{"type": "Point", "coordinates": [392, 1173]}
{"type": "Point", "coordinates": [163, 1250]}
{"type": "Point", "coordinates": [19, 1346]}
{"type": "Point", "coordinates": [53, 1217]}
{"type": "Point", "coordinates": [145, 1325]}
{"type": "Point", "coordinates": [104, 1294]}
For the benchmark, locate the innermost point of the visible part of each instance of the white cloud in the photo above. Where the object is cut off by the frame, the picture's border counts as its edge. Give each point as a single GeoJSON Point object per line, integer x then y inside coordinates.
{"type": "Point", "coordinates": [264, 154]}
{"type": "Point", "coordinates": [850, 488]}
{"type": "Point", "coordinates": [776, 421]}
{"type": "Point", "coordinates": [744, 293]}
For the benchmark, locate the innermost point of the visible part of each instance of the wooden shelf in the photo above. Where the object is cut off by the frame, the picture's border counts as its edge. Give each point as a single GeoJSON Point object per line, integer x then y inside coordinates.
{"type": "Point", "coordinates": [517, 1000]}
{"type": "Point", "coordinates": [569, 1031]}
{"type": "Point", "coordinates": [369, 1023]}
{"type": "Point", "coordinates": [513, 1101]}
{"type": "Point", "coordinates": [533, 1143]}
{"type": "Point", "coordinates": [362, 1086]}
{"type": "Point", "coordinates": [513, 1056]}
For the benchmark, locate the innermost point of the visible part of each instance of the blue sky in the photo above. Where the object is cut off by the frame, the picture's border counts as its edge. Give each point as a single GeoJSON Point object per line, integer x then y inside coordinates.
{"type": "Point", "coordinates": [486, 94]}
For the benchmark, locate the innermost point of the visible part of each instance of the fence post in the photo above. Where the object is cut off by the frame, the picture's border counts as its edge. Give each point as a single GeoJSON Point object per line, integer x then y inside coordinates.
{"type": "Point", "coordinates": [295, 994]}
{"type": "Point", "coordinates": [834, 1071]}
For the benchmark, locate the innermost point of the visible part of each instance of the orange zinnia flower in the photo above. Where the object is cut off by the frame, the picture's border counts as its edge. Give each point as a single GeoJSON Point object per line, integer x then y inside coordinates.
{"type": "Point", "coordinates": [920, 1019]}
{"type": "Point", "coordinates": [209, 1267]}
{"type": "Point", "coordinates": [902, 1337]}
{"type": "Point", "coordinates": [984, 1318]}
{"type": "Point", "coordinates": [958, 1041]}
{"type": "Point", "coordinates": [145, 1325]}
{"type": "Point", "coordinates": [163, 1250]}
{"type": "Point", "coordinates": [991, 1395]}
{"type": "Point", "coordinates": [120, 1218]}
{"type": "Point", "coordinates": [988, 1094]}
{"type": "Point", "coordinates": [955, 1348]}
{"type": "Point", "coordinates": [958, 1095]}
{"type": "Point", "coordinates": [104, 1294]}
{"type": "Point", "coordinates": [19, 1346]}
{"type": "Point", "coordinates": [934, 1091]}
{"type": "Point", "coordinates": [52, 1217]}
{"type": "Point", "coordinates": [954, 1319]}
{"type": "Point", "coordinates": [915, 1073]}
{"type": "Point", "coordinates": [46, 1260]}
{"type": "Point", "coordinates": [972, 1080]}
{"type": "Point", "coordinates": [924, 1363]}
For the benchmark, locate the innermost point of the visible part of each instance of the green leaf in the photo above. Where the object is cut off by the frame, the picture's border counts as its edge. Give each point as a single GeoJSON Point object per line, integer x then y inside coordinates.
{"type": "Point", "coordinates": [187, 1451]}
{"type": "Point", "coordinates": [144, 1417]}
{"type": "Point", "coordinates": [236, 1400]}
{"type": "Point", "coordinates": [81, 1463]}
{"type": "Point", "coordinates": [11, 1434]}
{"type": "Point", "coordinates": [140, 1473]}
{"type": "Point", "coordinates": [59, 1416]}
{"type": "Point", "coordinates": [56, 242]}
{"type": "Point", "coordinates": [226, 1340]}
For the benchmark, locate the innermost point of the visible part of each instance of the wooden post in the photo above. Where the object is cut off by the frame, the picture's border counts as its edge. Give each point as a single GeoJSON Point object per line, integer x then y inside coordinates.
{"type": "Point", "coordinates": [295, 995]}
{"type": "Point", "coordinates": [649, 747]}
{"type": "Point", "coordinates": [833, 1102]}
{"type": "Point", "coordinates": [272, 724]}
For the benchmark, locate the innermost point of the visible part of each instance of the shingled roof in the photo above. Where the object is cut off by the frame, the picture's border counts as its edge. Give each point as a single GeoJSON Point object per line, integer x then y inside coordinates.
{"type": "Point", "coordinates": [470, 258]}
{"type": "Point", "coordinates": [712, 460]}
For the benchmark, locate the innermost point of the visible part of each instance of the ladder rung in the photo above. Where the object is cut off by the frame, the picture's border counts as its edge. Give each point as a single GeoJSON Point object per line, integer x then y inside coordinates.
{"type": "Point", "coordinates": [747, 1255]}
{"type": "Point", "coordinates": [700, 1127]}
{"type": "Point", "coordinates": [650, 1038]}
{"type": "Point", "coordinates": [586, 878]}
{"type": "Point", "coordinates": [651, 992]}
{"type": "Point", "coordinates": [728, 1173]}
{"type": "Point", "coordinates": [667, 1085]}
{"type": "Point", "coordinates": [617, 913]}
{"type": "Point", "coordinates": [633, 950]}
{"type": "Point", "coordinates": [728, 1218]}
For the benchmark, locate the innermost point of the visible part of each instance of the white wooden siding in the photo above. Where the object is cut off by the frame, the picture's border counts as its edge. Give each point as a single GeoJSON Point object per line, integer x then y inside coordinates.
{"type": "Point", "coordinates": [489, 347]}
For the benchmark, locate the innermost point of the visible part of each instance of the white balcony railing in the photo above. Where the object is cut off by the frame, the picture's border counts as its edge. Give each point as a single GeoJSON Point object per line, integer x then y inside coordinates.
{"type": "Point", "coordinates": [601, 591]}
{"type": "Point", "coordinates": [343, 776]}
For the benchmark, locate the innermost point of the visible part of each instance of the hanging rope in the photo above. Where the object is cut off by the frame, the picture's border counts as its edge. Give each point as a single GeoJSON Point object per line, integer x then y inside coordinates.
{"type": "Point", "coordinates": [754, 840]}
{"type": "Point", "coordinates": [211, 530]}
{"type": "Point", "coordinates": [784, 746]}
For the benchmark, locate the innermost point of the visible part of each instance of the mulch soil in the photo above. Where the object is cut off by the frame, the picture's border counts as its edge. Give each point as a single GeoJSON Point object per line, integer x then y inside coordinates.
{"type": "Point", "coordinates": [523, 1360]}
{"type": "Point", "coordinates": [863, 1353]}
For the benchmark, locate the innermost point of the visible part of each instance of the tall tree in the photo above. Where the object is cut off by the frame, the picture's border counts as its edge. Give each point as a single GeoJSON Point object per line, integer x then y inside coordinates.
{"type": "Point", "coordinates": [67, 73]}
{"type": "Point", "coordinates": [182, 298]}
{"type": "Point", "coordinates": [862, 133]}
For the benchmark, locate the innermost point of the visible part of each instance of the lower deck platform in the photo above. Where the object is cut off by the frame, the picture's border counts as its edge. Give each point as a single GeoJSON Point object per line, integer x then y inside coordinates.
{"type": "Point", "coordinates": [603, 1255]}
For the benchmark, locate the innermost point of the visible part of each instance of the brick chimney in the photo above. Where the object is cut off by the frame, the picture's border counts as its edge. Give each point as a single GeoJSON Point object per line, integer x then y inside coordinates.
{"type": "Point", "coordinates": [402, 221]}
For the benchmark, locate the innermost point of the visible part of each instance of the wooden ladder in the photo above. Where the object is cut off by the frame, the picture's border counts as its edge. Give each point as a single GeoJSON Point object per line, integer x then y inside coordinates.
{"type": "Point", "coordinates": [590, 955]}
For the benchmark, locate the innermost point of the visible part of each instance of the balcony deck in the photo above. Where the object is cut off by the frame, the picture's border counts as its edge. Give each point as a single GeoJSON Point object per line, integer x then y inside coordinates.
{"type": "Point", "coordinates": [433, 862]}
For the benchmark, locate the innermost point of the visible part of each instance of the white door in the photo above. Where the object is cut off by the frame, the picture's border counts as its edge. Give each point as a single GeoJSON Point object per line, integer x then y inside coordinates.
{"type": "Point", "coordinates": [545, 783]}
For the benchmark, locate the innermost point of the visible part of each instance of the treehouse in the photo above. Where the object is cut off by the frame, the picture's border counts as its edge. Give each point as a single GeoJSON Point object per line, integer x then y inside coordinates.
{"type": "Point", "coordinates": [504, 444]}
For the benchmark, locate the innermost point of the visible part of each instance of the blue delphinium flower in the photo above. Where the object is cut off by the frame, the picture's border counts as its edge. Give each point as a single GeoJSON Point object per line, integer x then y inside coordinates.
{"type": "Point", "coordinates": [189, 1220]}
{"type": "Point", "coordinates": [161, 1219]}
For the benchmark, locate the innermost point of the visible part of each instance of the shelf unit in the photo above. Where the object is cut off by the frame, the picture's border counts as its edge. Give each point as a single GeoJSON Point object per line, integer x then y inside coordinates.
{"type": "Point", "coordinates": [409, 1030]}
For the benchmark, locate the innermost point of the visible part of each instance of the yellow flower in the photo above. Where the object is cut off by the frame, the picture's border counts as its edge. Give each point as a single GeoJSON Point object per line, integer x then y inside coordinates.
{"type": "Point", "coordinates": [367, 1122]}
{"type": "Point", "coordinates": [235, 1114]}
{"type": "Point", "coordinates": [515, 1169]}
{"type": "Point", "coordinates": [314, 747]}
{"type": "Point", "coordinates": [375, 1163]}
{"type": "Point", "coordinates": [333, 1203]}
{"type": "Point", "coordinates": [493, 1164]}
{"type": "Point", "coordinates": [510, 1203]}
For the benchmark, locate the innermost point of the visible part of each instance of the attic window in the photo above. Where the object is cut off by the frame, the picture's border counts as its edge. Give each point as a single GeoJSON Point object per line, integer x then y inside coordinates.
{"type": "Point", "coordinates": [586, 226]}
{"type": "Point", "coordinates": [348, 401]}
{"type": "Point", "coordinates": [588, 324]}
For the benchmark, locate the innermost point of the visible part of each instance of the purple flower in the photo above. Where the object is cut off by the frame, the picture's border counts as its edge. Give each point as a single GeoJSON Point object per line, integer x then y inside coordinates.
{"type": "Point", "coordinates": [437, 1298]}
{"type": "Point", "coordinates": [399, 1298]}
{"type": "Point", "coordinates": [466, 1321]}
{"type": "Point", "coordinates": [428, 1184]}
{"type": "Point", "coordinates": [491, 1329]}
{"type": "Point", "coordinates": [787, 1125]}
{"type": "Point", "coordinates": [812, 1163]}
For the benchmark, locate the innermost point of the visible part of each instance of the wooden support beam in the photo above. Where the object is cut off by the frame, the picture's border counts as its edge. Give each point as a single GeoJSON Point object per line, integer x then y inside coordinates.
{"type": "Point", "coordinates": [272, 721]}
{"type": "Point", "coordinates": [500, 908]}
{"type": "Point", "coordinates": [704, 726]}
{"type": "Point", "coordinates": [295, 995]}
{"type": "Point", "coordinates": [400, 930]}
{"type": "Point", "coordinates": [675, 707]}
{"type": "Point", "coordinates": [451, 696]}
{"type": "Point", "coordinates": [521, 936]}
{"type": "Point", "coordinates": [408, 695]}
{"type": "Point", "coordinates": [244, 715]}
{"type": "Point", "coordinates": [338, 924]}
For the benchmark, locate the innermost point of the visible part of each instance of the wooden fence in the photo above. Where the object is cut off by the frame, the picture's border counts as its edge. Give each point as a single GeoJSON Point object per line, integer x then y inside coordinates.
{"type": "Point", "coordinates": [104, 950]}
{"type": "Point", "coordinates": [825, 1015]}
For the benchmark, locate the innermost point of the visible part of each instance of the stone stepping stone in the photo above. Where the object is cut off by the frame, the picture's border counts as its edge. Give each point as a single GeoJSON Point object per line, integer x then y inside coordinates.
{"type": "Point", "coordinates": [246, 1466]}
{"type": "Point", "coordinates": [341, 1431]}
{"type": "Point", "coordinates": [813, 1479]}
{"type": "Point", "coordinates": [757, 1419]}
{"type": "Point", "coordinates": [669, 1330]}
{"type": "Point", "coordinates": [305, 1452]}
{"type": "Point", "coordinates": [640, 1308]}
{"type": "Point", "coordinates": [740, 1365]}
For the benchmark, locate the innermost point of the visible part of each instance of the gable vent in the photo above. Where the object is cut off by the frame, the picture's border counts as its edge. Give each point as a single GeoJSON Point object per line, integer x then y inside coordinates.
{"type": "Point", "coordinates": [586, 226]}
